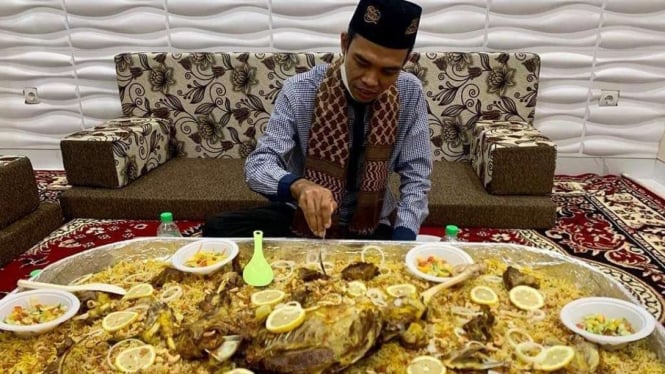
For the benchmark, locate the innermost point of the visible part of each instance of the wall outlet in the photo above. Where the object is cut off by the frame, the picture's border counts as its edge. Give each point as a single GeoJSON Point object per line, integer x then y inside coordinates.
{"type": "Point", "coordinates": [30, 94]}
{"type": "Point", "coordinates": [608, 98]}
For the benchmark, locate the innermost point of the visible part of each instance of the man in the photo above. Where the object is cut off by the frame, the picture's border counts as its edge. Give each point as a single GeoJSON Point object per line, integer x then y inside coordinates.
{"type": "Point", "coordinates": [336, 133]}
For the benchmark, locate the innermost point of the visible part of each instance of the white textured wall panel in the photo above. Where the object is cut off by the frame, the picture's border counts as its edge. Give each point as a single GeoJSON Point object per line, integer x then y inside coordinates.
{"type": "Point", "coordinates": [311, 8]}
{"type": "Point", "coordinates": [192, 40]}
{"type": "Point", "coordinates": [531, 7]}
{"type": "Point", "coordinates": [219, 25]}
{"type": "Point", "coordinates": [608, 146]}
{"type": "Point", "coordinates": [35, 21]}
{"type": "Point", "coordinates": [97, 9]}
{"type": "Point", "coordinates": [641, 132]}
{"type": "Point", "coordinates": [627, 116]}
{"type": "Point", "coordinates": [203, 8]}
{"type": "Point", "coordinates": [310, 25]}
{"type": "Point", "coordinates": [636, 7]}
{"type": "Point", "coordinates": [149, 21]}
{"type": "Point", "coordinates": [36, 53]}
{"type": "Point", "coordinates": [13, 7]}
{"type": "Point", "coordinates": [630, 58]}
{"type": "Point", "coordinates": [459, 25]}
{"type": "Point", "coordinates": [39, 131]}
{"type": "Point", "coordinates": [99, 34]}
{"type": "Point", "coordinates": [564, 33]}
{"type": "Point", "coordinates": [65, 48]}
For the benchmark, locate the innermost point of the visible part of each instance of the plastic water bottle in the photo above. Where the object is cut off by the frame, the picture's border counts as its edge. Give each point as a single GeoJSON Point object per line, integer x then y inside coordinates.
{"type": "Point", "coordinates": [451, 234]}
{"type": "Point", "coordinates": [167, 227]}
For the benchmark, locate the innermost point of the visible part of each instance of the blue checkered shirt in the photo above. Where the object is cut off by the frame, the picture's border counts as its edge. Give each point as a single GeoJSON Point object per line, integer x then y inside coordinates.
{"type": "Point", "coordinates": [279, 157]}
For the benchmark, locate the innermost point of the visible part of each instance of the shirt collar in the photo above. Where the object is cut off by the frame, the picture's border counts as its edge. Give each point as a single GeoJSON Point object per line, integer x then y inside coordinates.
{"type": "Point", "coordinates": [346, 81]}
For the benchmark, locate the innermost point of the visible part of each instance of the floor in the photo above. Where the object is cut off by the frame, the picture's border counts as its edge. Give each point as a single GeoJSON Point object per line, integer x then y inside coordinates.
{"type": "Point", "coordinates": [652, 184]}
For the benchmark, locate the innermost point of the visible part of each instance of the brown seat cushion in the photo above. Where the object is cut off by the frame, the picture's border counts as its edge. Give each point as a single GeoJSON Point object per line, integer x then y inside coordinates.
{"type": "Point", "coordinates": [199, 188]}
{"type": "Point", "coordinates": [18, 189]}
{"type": "Point", "coordinates": [190, 188]}
{"type": "Point", "coordinates": [27, 231]}
{"type": "Point", "coordinates": [459, 198]}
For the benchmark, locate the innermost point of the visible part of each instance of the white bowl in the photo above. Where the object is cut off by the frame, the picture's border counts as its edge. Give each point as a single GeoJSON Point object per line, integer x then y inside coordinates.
{"type": "Point", "coordinates": [28, 298]}
{"type": "Point", "coordinates": [229, 247]}
{"type": "Point", "coordinates": [642, 321]}
{"type": "Point", "coordinates": [452, 255]}
{"type": "Point", "coordinates": [428, 238]}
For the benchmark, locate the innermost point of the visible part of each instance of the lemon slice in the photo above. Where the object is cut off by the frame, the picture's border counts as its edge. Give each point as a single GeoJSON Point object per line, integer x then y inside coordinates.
{"type": "Point", "coordinates": [138, 291]}
{"type": "Point", "coordinates": [426, 365]}
{"type": "Point", "coordinates": [239, 371]}
{"type": "Point", "coordinates": [399, 290]}
{"type": "Point", "coordinates": [117, 320]}
{"type": "Point", "coordinates": [285, 319]}
{"type": "Point", "coordinates": [484, 295]}
{"type": "Point", "coordinates": [356, 288]}
{"type": "Point", "coordinates": [555, 358]}
{"type": "Point", "coordinates": [526, 298]}
{"type": "Point", "coordinates": [262, 312]}
{"type": "Point", "coordinates": [267, 297]}
{"type": "Point", "coordinates": [134, 359]}
{"type": "Point", "coordinates": [530, 352]}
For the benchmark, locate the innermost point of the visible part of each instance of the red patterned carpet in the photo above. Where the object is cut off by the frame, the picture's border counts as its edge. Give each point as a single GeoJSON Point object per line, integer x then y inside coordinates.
{"type": "Point", "coordinates": [609, 222]}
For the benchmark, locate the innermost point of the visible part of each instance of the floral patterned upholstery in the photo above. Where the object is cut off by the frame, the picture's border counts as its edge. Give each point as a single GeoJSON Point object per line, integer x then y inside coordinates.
{"type": "Point", "coordinates": [116, 152]}
{"type": "Point", "coordinates": [219, 103]}
{"type": "Point", "coordinates": [506, 146]}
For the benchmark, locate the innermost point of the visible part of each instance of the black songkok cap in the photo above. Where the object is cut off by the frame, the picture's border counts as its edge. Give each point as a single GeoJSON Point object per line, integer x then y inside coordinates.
{"type": "Point", "coordinates": [389, 23]}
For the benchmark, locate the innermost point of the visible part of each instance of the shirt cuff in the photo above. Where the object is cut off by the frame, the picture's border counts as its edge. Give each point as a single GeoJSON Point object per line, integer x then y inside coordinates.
{"type": "Point", "coordinates": [284, 187]}
{"type": "Point", "coordinates": [402, 233]}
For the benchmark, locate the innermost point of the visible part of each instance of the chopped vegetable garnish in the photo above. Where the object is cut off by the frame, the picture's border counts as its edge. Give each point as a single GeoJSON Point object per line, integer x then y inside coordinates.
{"type": "Point", "coordinates": [35, 314]}
{"type": "Point", "coordinates": [205, 258]}
{"type": "Point", "coordinates": [601, 325]}
{"type": "Point", "coordinates": [435, 266]}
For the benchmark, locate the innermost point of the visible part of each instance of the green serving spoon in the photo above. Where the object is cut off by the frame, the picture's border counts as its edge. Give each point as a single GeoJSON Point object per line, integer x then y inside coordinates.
{"type": "Point", "coordinates": [258, 272]}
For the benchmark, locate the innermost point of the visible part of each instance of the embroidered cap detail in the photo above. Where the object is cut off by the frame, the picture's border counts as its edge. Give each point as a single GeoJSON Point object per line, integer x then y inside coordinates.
{"type": "Point", "coordinates": [372, 15]}
{"type": "Point", "coordinates": [413, 27]}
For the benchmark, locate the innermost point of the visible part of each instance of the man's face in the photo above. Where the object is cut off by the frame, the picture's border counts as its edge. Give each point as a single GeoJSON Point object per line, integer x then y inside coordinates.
{"type": "Point", "coordinates": [370, 68]}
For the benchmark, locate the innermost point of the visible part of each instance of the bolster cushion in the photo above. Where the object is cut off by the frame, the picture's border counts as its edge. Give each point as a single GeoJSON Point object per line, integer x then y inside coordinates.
{"type": "Point", "coordinates": [115, 153]}
{"type": "Point", "coordinates": [513, 158]}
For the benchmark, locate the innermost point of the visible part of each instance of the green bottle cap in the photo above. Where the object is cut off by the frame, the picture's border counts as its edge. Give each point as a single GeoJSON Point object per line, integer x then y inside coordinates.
{"type": "Point", "coordinates": [166, 217]}
{"type": "Point", "coordinates": [35, 273]}
{"type": "Point", "coordinates": [452, 231]}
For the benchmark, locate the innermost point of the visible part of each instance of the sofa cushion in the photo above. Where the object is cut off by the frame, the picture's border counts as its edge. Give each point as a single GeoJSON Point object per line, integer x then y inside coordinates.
{"type": "Point", "coordinates": [116, 152]}
{"type": "Point", "coordinates": [27, 231]}
{"type": "Point", "coordinates": [459, 198]}
{"type": "Point", "coordinates": [189, 188]}
{"type": "Point", "coordinates": [18, 189]}
{"type": "Point", "coordinates": [219, 103]}
{"type": "Point", "coordinates": [464, 88]}
{"type": "Point", "coordinates": [199, 188]}
{"type": "Point", "coordinates": [513, 158]}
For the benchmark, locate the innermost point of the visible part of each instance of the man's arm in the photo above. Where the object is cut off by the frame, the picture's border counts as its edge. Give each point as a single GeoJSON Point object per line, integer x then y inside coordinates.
{"type": "Point", "coordinates": [414, 165]}
{"type": "Point", "coordinates": [266, 167]}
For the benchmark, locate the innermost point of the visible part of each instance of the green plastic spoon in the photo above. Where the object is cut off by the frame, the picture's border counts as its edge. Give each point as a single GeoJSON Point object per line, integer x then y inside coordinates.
{"type": "Point", "coordinates": [258, 272]}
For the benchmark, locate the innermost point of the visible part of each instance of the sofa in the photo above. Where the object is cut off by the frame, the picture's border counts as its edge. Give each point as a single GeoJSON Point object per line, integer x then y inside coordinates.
{"type": "Point", "coordinates": [190, 119]}
{"type": "Point", "coordinates": [24, 219]}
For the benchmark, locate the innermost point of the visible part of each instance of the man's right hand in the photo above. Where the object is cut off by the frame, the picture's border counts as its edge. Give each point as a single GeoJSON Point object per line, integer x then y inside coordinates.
{"type": "Point", "coordinates": [316, 202]}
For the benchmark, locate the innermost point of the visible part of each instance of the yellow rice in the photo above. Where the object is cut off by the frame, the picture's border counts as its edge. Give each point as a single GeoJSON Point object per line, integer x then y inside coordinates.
{"type": "Point", "coordinates": [32, 355]}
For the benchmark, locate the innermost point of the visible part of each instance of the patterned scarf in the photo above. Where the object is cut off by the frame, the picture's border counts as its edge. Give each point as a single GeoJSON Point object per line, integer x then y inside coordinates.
{"type": "Point", "coordinates": [328, 152]}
